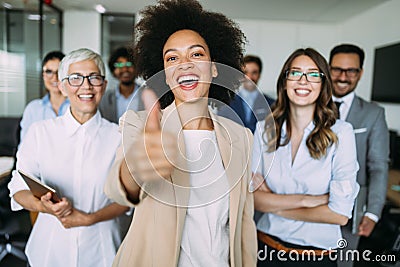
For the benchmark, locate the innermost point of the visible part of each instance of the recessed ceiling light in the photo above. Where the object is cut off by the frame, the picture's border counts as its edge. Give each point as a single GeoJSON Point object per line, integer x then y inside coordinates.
{"type": "Point", "coordinates": [35, 17]}
{"type": "Point", "coordinates": [7, 5]}
{"type": "Point", "coordinates": [100, 8]}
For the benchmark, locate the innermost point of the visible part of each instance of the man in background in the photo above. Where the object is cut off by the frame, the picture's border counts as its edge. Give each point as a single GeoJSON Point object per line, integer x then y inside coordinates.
{"type": "Point", "coordinates": [117, 100]}
{"type": "Point", "coordinates": [372, 141]}
{"type": "Point", "coordinates": [249, 104]}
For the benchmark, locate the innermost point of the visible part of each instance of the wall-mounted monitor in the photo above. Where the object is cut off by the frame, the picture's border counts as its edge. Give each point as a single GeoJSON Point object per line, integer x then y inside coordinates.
{"type": "Point", "coordinates": [386, 76]}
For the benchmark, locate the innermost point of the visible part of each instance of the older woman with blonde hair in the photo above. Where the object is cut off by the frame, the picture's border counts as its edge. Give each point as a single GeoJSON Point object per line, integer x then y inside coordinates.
{"type": "Point", "coordinates": [72, 154]}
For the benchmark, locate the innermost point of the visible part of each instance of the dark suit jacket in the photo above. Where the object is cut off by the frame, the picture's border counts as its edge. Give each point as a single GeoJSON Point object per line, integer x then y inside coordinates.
{"type": "Point", "coordinates": [260, 110]}
{"type": "Point", "coordinates": [108, 104]}
{"type": "Point", "coordinates": [372, 141]}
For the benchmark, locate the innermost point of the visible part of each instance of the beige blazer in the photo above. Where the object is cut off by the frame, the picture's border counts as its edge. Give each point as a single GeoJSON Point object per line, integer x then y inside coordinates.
{"type": "Point", "coordinates": [154, 236]}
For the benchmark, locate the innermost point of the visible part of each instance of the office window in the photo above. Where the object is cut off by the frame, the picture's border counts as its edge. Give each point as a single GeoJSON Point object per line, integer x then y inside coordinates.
{"type": "Point", "coordinates": [26, 37]}
{"type": "Point", "coordinates": [117, 30]}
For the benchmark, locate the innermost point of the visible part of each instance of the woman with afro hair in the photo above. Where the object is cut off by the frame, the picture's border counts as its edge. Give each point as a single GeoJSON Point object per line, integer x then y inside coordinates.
{"type": "Point", "coordinates": [185, 170]}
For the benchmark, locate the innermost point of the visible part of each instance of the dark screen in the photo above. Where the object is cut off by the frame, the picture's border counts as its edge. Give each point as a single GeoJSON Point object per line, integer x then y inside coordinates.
{"type": "Point", "coordinates": [386, 77]}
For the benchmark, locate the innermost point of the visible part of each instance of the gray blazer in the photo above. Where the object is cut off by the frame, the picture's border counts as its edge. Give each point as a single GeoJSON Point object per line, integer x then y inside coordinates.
{"type": "Point", "coordinates": [108, 104]}
{"type": "Point", "coordinates": [372, 141]}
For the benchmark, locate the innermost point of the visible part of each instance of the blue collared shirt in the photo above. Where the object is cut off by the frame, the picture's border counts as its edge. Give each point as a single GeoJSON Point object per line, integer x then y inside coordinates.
{"type": "Point", "coordinates": [123, 102]}
{"type": "Point", "coordinates": [335, 173]}
{"type": "Point", "coordinates": [40, 109]}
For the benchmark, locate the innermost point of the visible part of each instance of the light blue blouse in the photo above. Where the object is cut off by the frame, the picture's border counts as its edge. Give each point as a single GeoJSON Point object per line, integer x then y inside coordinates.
{"type": "Point", "coordinates": [335, 174]}
{"type": "Point", "coordinates": [123, 103]}
{"type": "Point", "coordinates": [40, 109]}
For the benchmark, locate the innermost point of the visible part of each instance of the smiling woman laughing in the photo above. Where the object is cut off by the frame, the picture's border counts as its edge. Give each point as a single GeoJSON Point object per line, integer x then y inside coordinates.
{"type": "Point", "coordinates": [184, 169]}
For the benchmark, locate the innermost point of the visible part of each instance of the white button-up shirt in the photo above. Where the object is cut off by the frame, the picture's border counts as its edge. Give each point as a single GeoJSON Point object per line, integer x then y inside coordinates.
{"type": "Point", "coordinates": [205, 236]}
{"type": "Point", "coordinates": [346, 101]}
{"type": "Point", "coordinates": [335, 173]}
{"type": "Point", "coordinates": [74, 159]}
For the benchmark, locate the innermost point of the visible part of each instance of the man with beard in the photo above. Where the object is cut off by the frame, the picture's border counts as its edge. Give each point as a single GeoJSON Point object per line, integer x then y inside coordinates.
{"type": "Point", "coordinates": [372, 141]}
{"type": "Point", "coordinates": [117, 100]}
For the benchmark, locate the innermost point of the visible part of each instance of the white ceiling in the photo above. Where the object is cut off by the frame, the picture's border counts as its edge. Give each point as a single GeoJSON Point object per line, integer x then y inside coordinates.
{"type": "Point", "coordinates": [318, 11]}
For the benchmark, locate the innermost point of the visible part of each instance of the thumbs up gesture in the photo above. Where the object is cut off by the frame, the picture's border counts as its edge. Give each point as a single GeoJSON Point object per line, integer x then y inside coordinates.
{"type": "Point", "coordinates": [150, 151]}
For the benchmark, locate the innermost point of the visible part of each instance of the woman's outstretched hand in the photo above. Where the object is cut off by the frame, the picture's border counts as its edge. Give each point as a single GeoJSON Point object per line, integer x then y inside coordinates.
{"type": "Point", "coordinates": [155, 150]}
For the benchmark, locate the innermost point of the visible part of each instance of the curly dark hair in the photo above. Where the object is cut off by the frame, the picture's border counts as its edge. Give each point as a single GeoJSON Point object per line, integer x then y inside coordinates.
{"type": "Point", "coordinates": [324, 115]}
{"type": "Point", "coordinates": [125, 52]}
{"type": "Point", "coordinates": [223, 37]}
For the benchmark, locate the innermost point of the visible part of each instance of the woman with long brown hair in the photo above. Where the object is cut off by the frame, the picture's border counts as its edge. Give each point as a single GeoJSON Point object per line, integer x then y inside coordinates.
{"type": "Point", "coordinates": [309, 189]}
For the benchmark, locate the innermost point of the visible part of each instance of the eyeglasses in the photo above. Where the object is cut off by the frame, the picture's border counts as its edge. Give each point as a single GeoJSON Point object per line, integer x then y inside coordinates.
{"type": "Point", "coordinates": [123, 64]}
{"type": "Point", "coordinates": [77, 80]}
{"type": "Point", "coordinates": [49, 73]}
{"type": "Point", "coordinates": [351, 72]}
{"type": "Point", "coordinates": [312, 77]}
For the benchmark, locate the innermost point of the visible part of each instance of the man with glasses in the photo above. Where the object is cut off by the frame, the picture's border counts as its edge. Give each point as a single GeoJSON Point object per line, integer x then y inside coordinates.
{"type": "Point", "coordinates": [53, 104]}
{"type": "Point", "coordinates": [372, 140]}
{"type": "Point", "coordinates": [117, 100]}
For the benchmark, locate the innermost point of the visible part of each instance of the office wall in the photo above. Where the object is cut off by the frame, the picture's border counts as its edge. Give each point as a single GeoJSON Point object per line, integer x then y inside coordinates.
{"type": "Point", "coordinates": [375, 28]}
{"type": "Point", "coordinates": [81, 29]}
{"type": "Point", "coordinates": [275, 40]}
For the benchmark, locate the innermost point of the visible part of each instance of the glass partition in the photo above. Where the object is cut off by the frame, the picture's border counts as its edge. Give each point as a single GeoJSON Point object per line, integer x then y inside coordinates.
{"type": "Point", "coordinates": [117, 30]}
{"type": "Point", "coordinates": [25, 39]}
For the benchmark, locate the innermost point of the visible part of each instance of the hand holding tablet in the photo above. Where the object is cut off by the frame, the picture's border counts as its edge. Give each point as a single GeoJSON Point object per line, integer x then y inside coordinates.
{"type": "Point", "coordinates": [38, 188]}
